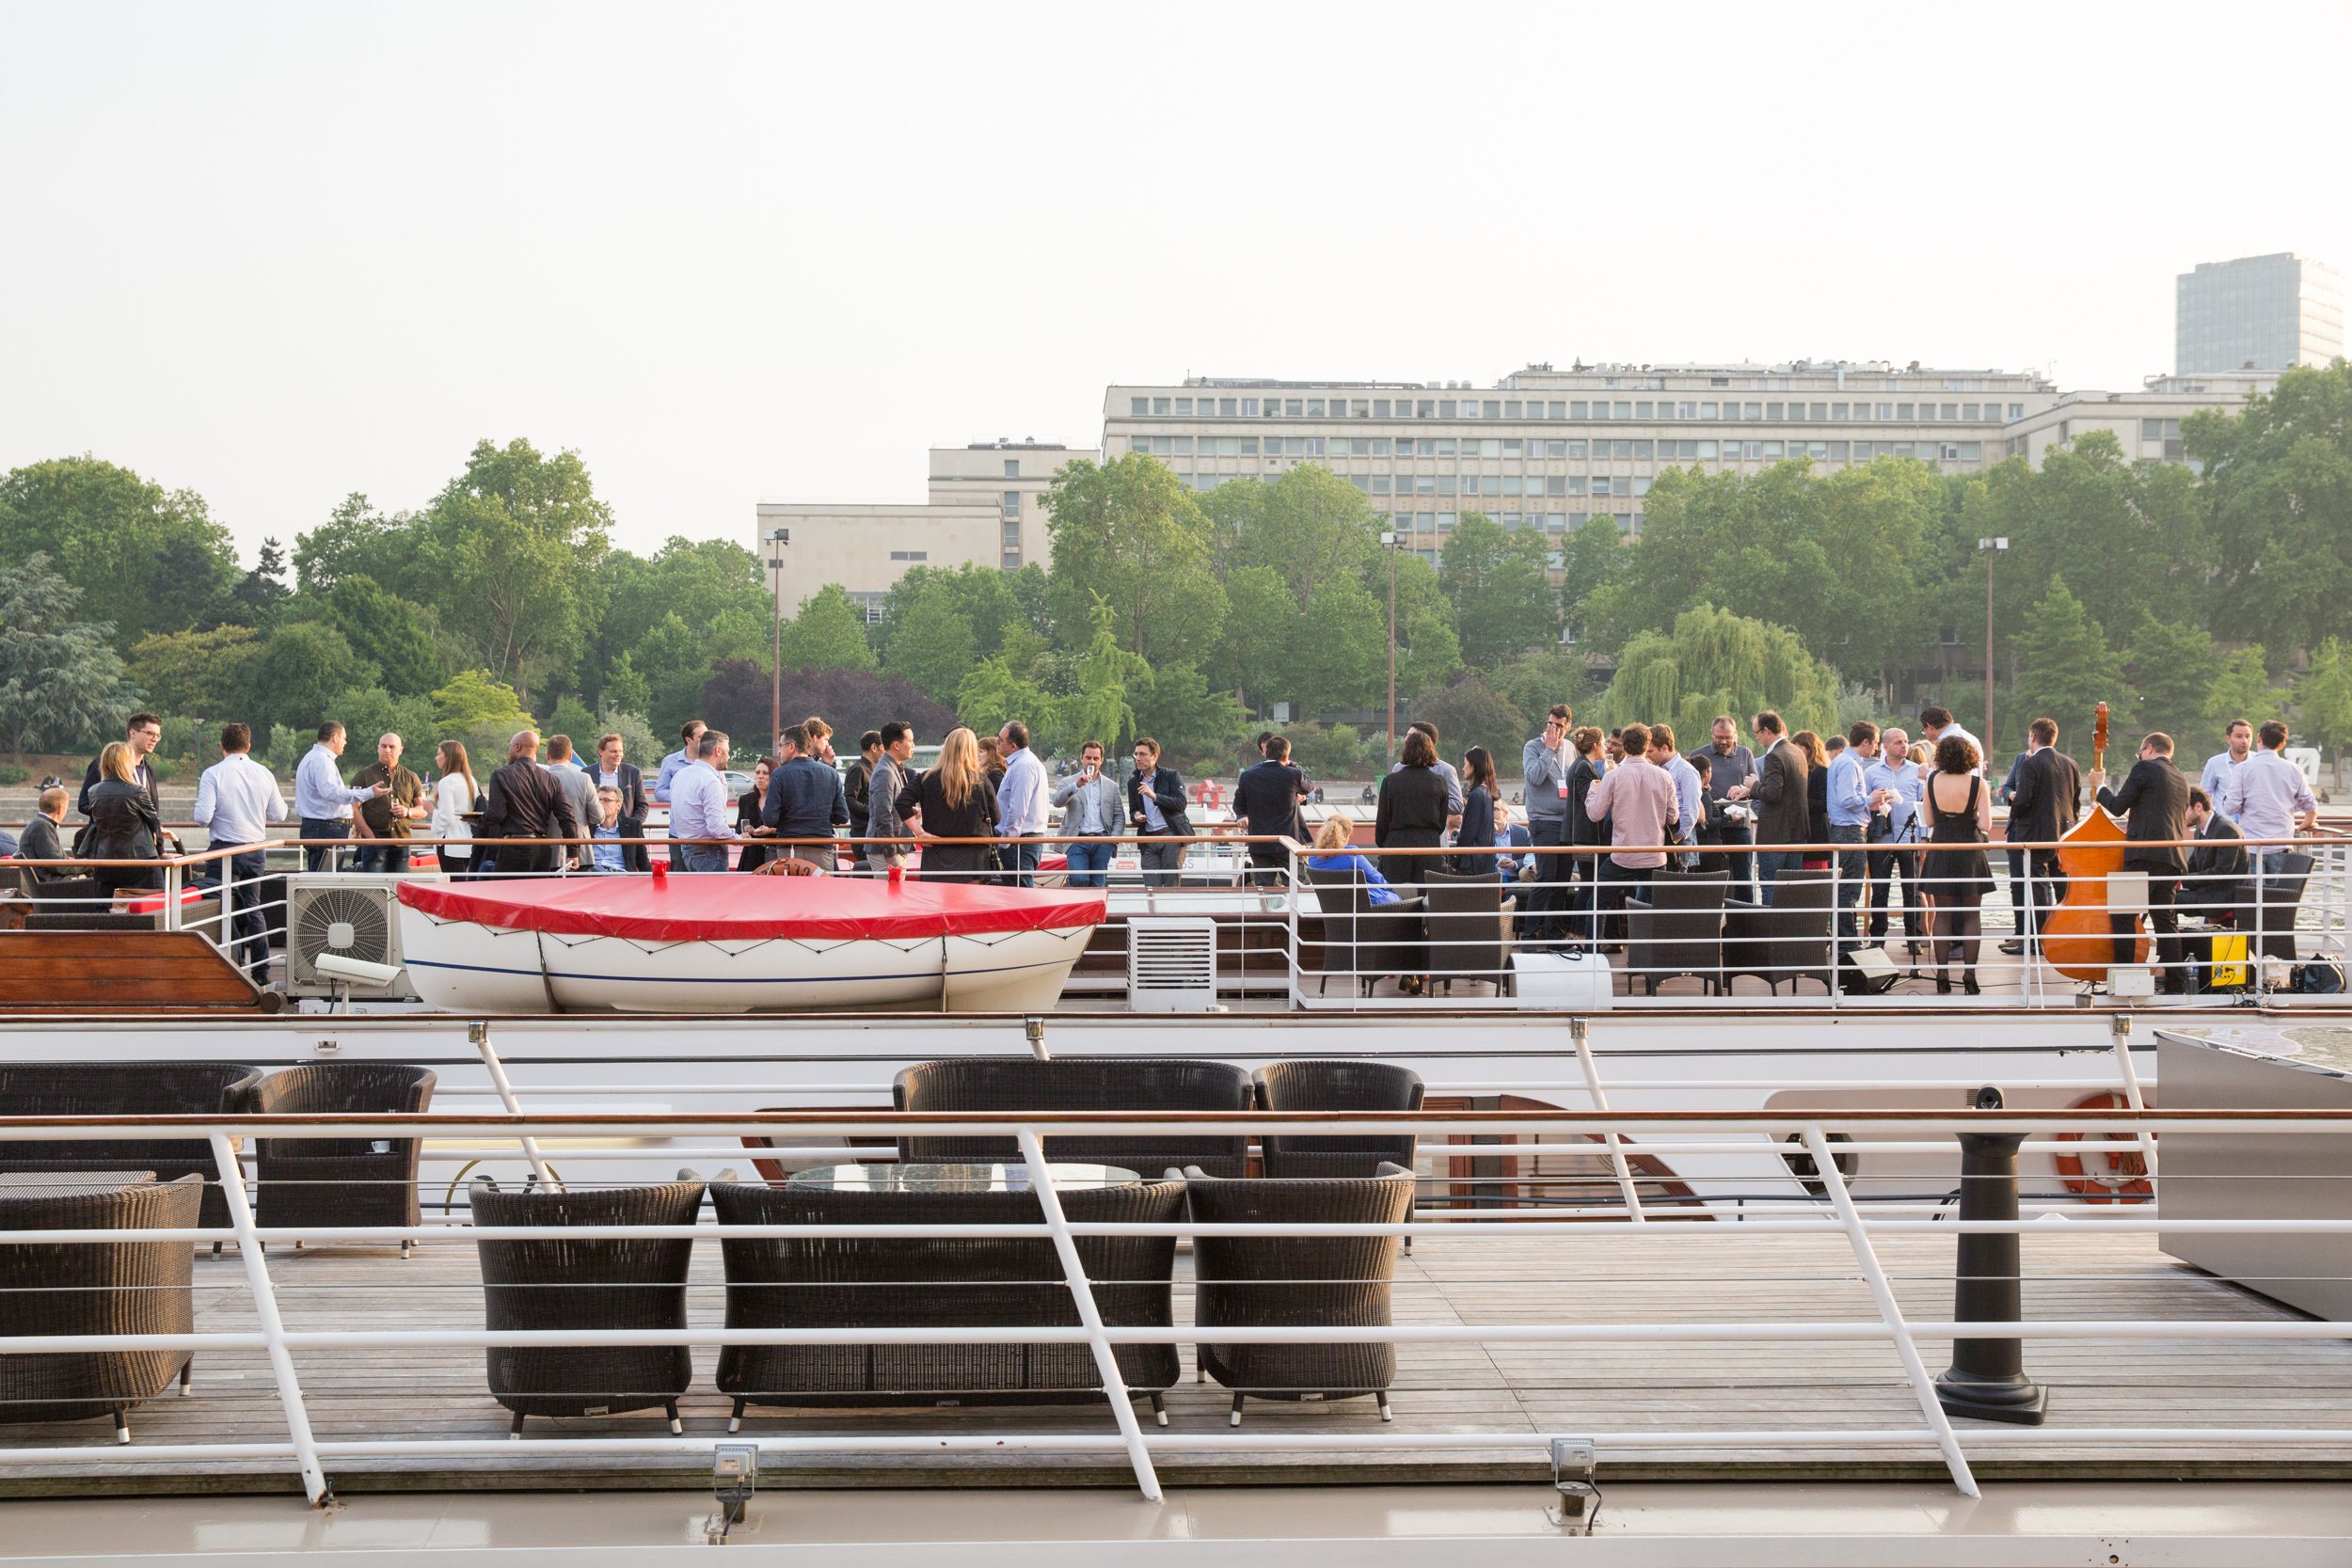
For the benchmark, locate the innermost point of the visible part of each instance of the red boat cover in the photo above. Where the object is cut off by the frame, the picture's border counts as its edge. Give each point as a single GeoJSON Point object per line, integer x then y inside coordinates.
{"type": "Point", "coordinates": [750, 909]}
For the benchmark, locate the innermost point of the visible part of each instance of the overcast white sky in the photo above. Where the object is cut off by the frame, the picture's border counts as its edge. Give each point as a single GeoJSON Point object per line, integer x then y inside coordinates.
{"type": "Point", "coordinates": [282, 253]}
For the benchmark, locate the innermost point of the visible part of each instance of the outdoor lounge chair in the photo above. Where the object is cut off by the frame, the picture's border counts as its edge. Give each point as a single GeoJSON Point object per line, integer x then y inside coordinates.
{"type": "Point", "coordinates": [338, 1181]}
{"type": "Point", "coordinates": [1304, 1085]}
{"type": "Point", "coordinates": [1080, 1083]}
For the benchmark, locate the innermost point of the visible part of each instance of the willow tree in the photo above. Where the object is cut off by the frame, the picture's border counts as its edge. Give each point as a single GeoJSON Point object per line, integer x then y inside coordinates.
{"type": "Point", "coordinates": [1714, 662]}
{"type": "Point", "coordinates": [1099, 709]}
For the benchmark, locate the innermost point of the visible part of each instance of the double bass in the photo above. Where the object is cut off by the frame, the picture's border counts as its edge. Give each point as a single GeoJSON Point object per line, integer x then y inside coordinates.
{"type": "Point", "coordinates": [2078, 938]}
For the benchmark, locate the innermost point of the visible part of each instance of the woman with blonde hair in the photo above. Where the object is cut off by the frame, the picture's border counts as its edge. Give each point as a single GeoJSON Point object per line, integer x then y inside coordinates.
{"type": "Point", "coordinates": [952, 800]}
{"type": "Point", "coordinates": [1333, 853]}
{"type": "Point", "coordinates": [123, 823]}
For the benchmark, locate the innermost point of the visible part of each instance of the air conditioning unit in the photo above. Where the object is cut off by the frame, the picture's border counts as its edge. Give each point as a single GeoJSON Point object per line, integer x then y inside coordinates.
{"type": "Point", "coordinates": [348, 914]}
{"type": "Point", "coordinates": [1171, 965]}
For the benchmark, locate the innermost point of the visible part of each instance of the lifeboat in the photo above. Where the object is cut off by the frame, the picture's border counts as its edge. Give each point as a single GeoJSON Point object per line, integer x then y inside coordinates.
{"type": "Point", "coordinates": [740, 945]}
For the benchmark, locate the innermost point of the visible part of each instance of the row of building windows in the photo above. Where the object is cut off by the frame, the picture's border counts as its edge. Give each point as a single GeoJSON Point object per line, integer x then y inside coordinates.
{"type": "Point", "coordinates": [1515, 408]}
{"type": "Point", "coordinates": [1547, 522]}
{"type": "Point", "coordinates": [1637, 452]}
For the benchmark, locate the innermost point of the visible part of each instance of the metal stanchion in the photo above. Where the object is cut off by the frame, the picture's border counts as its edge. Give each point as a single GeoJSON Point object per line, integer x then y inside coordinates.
{"type": "Point", "coordinates": [1987, 1377]}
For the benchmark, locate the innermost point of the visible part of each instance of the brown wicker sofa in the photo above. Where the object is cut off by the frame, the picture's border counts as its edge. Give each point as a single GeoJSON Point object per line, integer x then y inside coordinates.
{"type": "Point", "coordinates": [128, 1089]}
{"type": "Point", "coordinates": [1081, 1084]}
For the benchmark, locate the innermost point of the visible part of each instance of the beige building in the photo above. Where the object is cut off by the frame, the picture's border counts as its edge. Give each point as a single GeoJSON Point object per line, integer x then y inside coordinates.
{"type": "Point", "coordinates": [2147, 423]}
{"type": "Point", "coordinates": [984, 511]}
{"type": "Point", "coordinates": [1547, 449]}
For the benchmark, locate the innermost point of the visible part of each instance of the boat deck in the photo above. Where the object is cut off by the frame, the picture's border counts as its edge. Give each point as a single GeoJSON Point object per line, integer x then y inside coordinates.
{"type": "Point", "coordinates": [1675, 1273]}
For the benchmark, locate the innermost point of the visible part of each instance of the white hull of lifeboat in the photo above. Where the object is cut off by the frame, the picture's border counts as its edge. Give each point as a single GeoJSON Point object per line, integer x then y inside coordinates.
{"type": "Point", "coordinates": [464, 966]}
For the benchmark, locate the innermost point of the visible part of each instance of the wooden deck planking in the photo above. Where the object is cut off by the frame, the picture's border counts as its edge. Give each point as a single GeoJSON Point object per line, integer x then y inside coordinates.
{"type": "Point", "coordinates": [1719, 1274]}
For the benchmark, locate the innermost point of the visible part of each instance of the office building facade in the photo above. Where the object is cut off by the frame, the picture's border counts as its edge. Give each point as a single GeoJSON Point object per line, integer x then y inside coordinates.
{"type": "Point", "coordinates": [2146, 424]}
{"type": "Point", "coordinates": [2257, 313]}
{"type": "Point", "coordinates": [984, 510]}
{"type": "Point", "coordinates": [1549, 449]}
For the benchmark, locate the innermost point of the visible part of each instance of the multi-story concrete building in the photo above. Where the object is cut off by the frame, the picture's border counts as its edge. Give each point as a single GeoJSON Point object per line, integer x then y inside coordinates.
{"type": "Point", "coordinates": [983, 511]}
{"type": "Point", "coordinates": [1549, 449]}
{"type": "Point", "coordinates": [2147, 423]}
{"type": "Point", "coordinates": [2257, 313]}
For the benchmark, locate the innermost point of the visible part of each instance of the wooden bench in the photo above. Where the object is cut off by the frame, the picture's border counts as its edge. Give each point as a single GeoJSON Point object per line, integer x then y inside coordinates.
{"type": "Point", "coordinates": [123, 971]}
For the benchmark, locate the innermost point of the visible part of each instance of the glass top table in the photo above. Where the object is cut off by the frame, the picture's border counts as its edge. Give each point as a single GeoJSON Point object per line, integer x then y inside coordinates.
{"type": "Point", "coordinates": [70, 1184]}
{"type": "Point", "coordinates": [953, 1178]}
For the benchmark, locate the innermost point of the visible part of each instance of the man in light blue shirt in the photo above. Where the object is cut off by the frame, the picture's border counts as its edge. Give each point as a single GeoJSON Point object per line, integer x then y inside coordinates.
{"type": "Point", "coordinates": [1850, 819]}
{"type": "Point", "coordinates": [2219, 766]}
{"type": "Point", "coordinates": [2267, 796]}
{"type": "Point", "coordinates": [604, 839]}
{"type": "Point", "coordinates": [236, 801]}
{"type": "Point", "coordinates": [699, 807]}
{"type": "Point", "coordinates": [1663, 752]}
{"type": "Point", "coordinates": [1021, 804]}
{"type": "Point", "coordinates": [671, 766]}
{"type": "Point", "coordinates": [1895, 784]}
{"type": "Point", "coordinates": [323, 801]}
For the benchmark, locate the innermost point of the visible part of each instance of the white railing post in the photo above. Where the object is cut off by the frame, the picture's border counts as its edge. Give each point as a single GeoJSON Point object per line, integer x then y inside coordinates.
{"type": "Point", "coordinates": [1601, 1103]}
{"type": "Point", "coordinates": [171, 896]}
{"type": "Point", "coordinates": [480, 1034]}
{"type": "Point", "coordinates": [1297, 954]}
{"type": "Point", "coordinates": [273, 1327]}
{"type": "Point", "coordinates": [1890, 1313]}
{"type": "Point", "coordinates": [1081, 1295]}
{"type": "Point", "coordinates": [2119, 1029]}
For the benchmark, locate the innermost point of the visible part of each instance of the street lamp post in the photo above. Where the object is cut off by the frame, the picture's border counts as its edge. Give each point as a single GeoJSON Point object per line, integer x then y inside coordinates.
{"type": "Point", "coordinates": [777, 541]}
{"type": "Point", "coordinates": [1992, 549]}
{"type": "Point", "coordinates": [1389, 541]}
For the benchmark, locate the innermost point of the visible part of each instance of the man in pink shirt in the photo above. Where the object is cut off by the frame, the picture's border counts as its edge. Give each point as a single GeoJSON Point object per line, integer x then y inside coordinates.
{"type": "Point", "coordinates": [1637, 798]}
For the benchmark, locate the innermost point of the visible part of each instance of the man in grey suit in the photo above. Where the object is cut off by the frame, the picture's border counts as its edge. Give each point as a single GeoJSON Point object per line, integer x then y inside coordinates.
{"type": "Point", "coordinates": [1778, 794]}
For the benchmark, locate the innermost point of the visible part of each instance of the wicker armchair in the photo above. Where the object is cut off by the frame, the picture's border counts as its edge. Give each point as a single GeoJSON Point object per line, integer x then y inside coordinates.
{"type": "Point", "coordinates": [1336, 1087]}
{"type": "Point", "coordinates": [331, 1181]}
{"type": "Point", "coordinates": [557, 1283]}
{"type": "Point", "coordinates": [129, 1088]}
{"type": "Point", "coordinates": [126, 1287]}
{"type": "Point", "coordinates": [1465, 921]}
{"type": "Point", "coordinates": [1677, 930]}
{"type": "Point", "coordinates": [1297, 1282]}
{"type": "Point", "coordinates": [921, 1282]}
{"type": "Point", "coordinates": [1362, 939]}
{"type": "Point", "coordinates": [1786, 940]}
{"type": "Point", "coordinates": [1080, 1083]}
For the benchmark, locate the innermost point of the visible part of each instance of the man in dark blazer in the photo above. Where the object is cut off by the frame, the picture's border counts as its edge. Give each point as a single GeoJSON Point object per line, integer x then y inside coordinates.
{"type": "Point", "coordinates": [610, 771]}
{"type": "Point", "coordinates": [2153, 802]}
{"type": "Point", "coordinates": [1265, 799]}
{"type": "Point", "coordinates": [2218, 867]}
{"type": "Point", "coordinates": [525, 802]}
{"type": "Point", "coordinates": [1156, 809]}
{"type": "Point", "coordinates": [2047, 802]}
{"type": "Point", "coordinates": [1778, 795]}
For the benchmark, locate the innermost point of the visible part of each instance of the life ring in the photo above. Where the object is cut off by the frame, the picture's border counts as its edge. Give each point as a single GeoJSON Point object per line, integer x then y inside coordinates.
{"type": "Point", "coordinates": [2107, 1175]}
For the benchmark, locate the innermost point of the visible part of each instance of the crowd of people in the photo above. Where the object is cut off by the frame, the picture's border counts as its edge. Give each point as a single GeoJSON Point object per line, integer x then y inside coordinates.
{"type": "Point", "coordinates": [1906, 823]}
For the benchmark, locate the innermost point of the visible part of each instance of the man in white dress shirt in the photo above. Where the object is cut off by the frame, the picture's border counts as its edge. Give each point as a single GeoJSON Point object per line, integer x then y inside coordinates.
{"type": "Point", "coordinates": [1937, 723]}
{"type": "Point", "coordinates": [1021, 804]}
{"type": "Point", "coordinates": [236, 801]}
{"type": "Point", "coordinates": [322, 801]}
{"type": "Point", "coordinates": [699, 806]}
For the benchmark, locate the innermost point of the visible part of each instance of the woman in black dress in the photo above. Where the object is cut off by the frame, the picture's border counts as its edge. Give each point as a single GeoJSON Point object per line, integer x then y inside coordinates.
{"type": "Point", "coordinates": [953, 800]}
{"type": "Point", "coordinates": [1584, 870]}
{"type": "Point", "coordinates": [1816, 798]}
{"type": "Point", "coordinates": [1954, 875]}
{"type": "Point", "coordinates": [123, 825]}
{"type": "Point", "coordinates": [1414, 804]}
{"type": "Point", "coordinates": [756, 851]}
{"type": "Point", "coordinates": [1478, 814]}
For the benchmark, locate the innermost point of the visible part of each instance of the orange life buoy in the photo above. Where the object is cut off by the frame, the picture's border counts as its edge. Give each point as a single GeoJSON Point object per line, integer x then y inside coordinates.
{"type": "Point", "coordinates": [2106, 1175]}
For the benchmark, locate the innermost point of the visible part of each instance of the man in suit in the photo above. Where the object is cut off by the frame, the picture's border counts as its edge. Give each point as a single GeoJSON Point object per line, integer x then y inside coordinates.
{"type": "Point", "coordinates": [611, 771]}
{"type": "Point", "coordinates": [2218, 867]}
{"type": "Point", "coordinates": [1089, 807]}
{"type": "Point", "coordinates": [40, 841]}
{"type": "Point", "coordinates": [2153, 802]}
{"type": "Point", "coordinates": [1778, 795]}
{"type": "Point", "coordinates": [2047, 804]}
{"type": "Point", "coordinates": [142, 733]}
{"type": "Point", "coordinates": [526, 803]}
{"type": "Point", "coordinates": [1155, 809]}
{"type": "Point", "coordinates": [887, 782]}
{"type": "Point", "coordinates": [1265, 799]}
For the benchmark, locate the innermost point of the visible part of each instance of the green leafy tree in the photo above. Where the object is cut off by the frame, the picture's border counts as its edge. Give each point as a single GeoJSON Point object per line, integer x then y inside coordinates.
{"type": "Point", "coordinates": [989, 600]}
{"type": "Point", "coordinates": [260, 591]}
{"type": "Point", "coordinates": [1338, 656]}
{"type": "Point", "coordinates": [1327, 750]}
{"type": "Point", "coordinates": [386, 631]}
{"type": "Point", "coordinates": [624, 689]}
{"type": "Point", "coordinates": [1533, 681]}
{"type": "Point", "coordinates": [2278, 478]}
{"type": "Point", "coordinates": [2065, 667]}
{"type": "Point", "coordinates": [934, 648]}
{"type": "Point", "coordinates": [1427, 647]}
{"type": "Point", "coordinates": [1470, 711]}
{"type": "Point", "coordinates": [715, 583]}
{"type": "Point", "coordinates": [1309, 526]}
{"type": "Point", "coordinates": [995, 693]}
{"type": "Point", "coordinates": [1174, 706]}
{"type": "Point", "coordinates": [474, 699]}
{"type": "Point", "coordinates": [2243, 690]}
{"type": "Point", "coordinates": [1593, 560]}
{"type": "Point", "coordinates": [1106, 675]}
{"type": "Point", "coordinates": [674, 665]}
{"type": "Point", "coordinates": [1712, 663]}
{"type": "Point", "coordinates": [2170, 668]}
{"type": "Point", "coordinates": [1127, 531]}
{"type": "Point", "coordinates": [358, 539]}
{"type": "Point", "coordinates": [2324, 700]}
{"type": "Point", "coordinates": [60, 679]}
{"type": "Point", "coordinates": [302, 669]}
{"type": "Point", "coordinates": [145, 560]}
{"type": "Point", "coordinates": [1499, 584]}
{"type": "Point", "coordinates": [829, 633]}
{"type": "Point", "coordinates": [202, 674]}
{"type": "Point", "coordinates": [1263, 630]}
{"type": "Point", "coordinates": [367, 712]}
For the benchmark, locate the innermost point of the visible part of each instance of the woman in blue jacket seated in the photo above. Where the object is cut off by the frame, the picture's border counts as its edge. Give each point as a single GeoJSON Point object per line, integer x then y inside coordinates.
{"type": "Point", "coordinates": [1332, 854]}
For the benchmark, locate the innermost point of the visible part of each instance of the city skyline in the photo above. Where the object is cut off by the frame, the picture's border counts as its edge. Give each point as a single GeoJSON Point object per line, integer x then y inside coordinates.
{"type": "Point", "coordinates": [284, 255]}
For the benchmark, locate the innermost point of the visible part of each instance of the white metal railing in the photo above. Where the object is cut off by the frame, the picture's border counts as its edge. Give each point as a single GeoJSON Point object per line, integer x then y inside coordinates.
{"type": "Point", "coordinates": [1752, 1132]}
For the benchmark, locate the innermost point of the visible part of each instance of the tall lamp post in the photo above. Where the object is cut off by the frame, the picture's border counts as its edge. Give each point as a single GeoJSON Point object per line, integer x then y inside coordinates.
{"type": "Point", "coordinates": [777, 542]}
{"type": "Point", "coordinates": [1992, 549]}
{"type": "Point", "coordinates": [1389, 541]}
